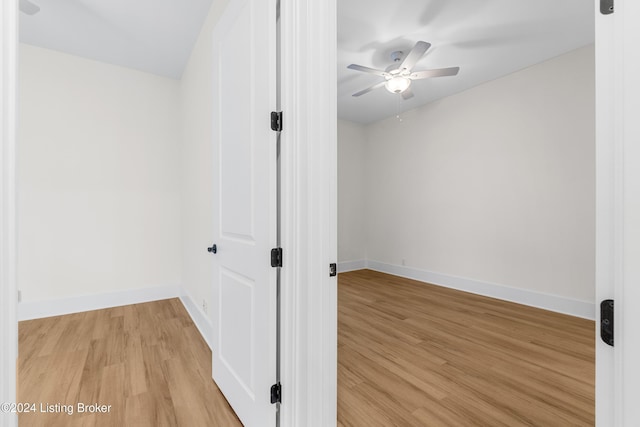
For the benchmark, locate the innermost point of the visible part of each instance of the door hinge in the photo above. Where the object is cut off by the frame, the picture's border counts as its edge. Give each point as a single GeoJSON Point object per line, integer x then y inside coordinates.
{"type": "Point", "coordinates": [333, 269]}
{"type": "Point", "coordinates": [276, 393]}
{"type": "Point", "coordinates": [276, 257]}
{"type": "Point", "coordinates": [276, 121]}
{"type": "Point", "coordinates": [606, 7]}
{"type": "Point", "coordinates": [606, 321]}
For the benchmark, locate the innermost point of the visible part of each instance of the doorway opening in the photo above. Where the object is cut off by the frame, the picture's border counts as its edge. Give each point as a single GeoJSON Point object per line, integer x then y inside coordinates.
{"type": "Point", "coordinates": [486, 188]}
{"type": "Point", "coordinates": [115, 213]}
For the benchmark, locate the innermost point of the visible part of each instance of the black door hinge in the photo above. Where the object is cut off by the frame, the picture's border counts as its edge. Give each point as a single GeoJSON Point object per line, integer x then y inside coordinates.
{"type": "Point", "coordinates": [333, 269]}
{"type": "Point", "coordinates": [606, 321]}
{"type": "Point", "coordinates": [276, 121]}
{"type": "Point", "coordinates": [276, 257]}
{"type": "Point", "coordinates": [606, 7]}
{"type": "Point", "coordinates": [276, 393]}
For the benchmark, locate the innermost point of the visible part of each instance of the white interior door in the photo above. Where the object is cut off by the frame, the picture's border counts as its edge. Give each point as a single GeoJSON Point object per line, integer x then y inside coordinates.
{"type": "Point", "coordinates": [244, 294]}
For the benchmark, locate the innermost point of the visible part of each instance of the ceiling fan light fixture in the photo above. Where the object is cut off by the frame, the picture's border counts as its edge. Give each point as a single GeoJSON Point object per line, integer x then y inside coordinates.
{"type": "Point", "coordinates": [398, 77]}
{"type": "Point", "coordinates": [397, 84]}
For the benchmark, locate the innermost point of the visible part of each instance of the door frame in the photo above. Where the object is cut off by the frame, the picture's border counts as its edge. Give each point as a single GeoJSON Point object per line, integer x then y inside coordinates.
{"type": "Point", "coordinates": [309, 213]}
{"type": "Point", "coordinates": [607, 209]}
{"type": "Point", "coordinates": [618, 211]}
{"type": "Point", "coordinates": [618, 179]}
{"type": "Point", "coordinates": [8, 250]}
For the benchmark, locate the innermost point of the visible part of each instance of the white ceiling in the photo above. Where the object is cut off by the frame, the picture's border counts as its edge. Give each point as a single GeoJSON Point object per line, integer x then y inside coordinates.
{"type": "Point", "coordinates": [487, 39]}
{"type": "Point", "coordinates": [155, 36]}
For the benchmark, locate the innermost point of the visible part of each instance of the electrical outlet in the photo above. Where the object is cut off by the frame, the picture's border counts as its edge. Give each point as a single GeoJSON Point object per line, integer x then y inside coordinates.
{"type": "Point", "coordinates": [19, 296]}
{"type": "Point", "coordinates": [204, 307]}
{"type": "Point", "coordinates": [403, 263]}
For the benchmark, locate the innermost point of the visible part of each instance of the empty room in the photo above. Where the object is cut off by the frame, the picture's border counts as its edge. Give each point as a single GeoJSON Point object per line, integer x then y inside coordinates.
{"type": "Point", "coordinates": [298, 213]}
{"type": "Point", "coordinates": [115, 214]}
{"type": "Point", "coordinates": [479, 177]}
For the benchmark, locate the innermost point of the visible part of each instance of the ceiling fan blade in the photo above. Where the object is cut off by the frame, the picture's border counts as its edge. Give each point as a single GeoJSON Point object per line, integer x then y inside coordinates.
{"type": "Point", "coordinates": [369, 89]}
{"type": "Point", "coordinates": [407, 94]}
{"type": "Point", "coordinates": [368, 70]}
{"type": "Point", "coordinates": [416, 53]}
{"type": "Point", "coordinates": [28, 7]}
{"type": "Point", "coordinates": [441, 72]}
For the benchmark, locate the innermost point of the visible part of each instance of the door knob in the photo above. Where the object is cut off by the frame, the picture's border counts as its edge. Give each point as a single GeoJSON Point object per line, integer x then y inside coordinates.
{"type": "Point", "coordinates": [213, 249]}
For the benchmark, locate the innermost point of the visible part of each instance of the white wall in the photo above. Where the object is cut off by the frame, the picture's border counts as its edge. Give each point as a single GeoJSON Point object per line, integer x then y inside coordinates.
{"type": "Point", "coordinates": [352, 250]}
{"type": "Point", "coordinates": [99, 182]}
{"type": "Point", "coordinates": [197, 165]}
{"type": "Point", "coordinates": [121, 163]}
{"type": "Point", "coordinates": [495, 184]}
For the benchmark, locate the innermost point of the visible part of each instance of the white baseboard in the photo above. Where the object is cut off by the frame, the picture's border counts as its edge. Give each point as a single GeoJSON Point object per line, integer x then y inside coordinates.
{"type": "Point", "coordinates": [550, 302]}
{"type": "Point", "coordinates": [346, 266]}
{"type": "Point", "coordinates": [77, 304]}
{"type": "Point", "coordinates": [201, 320]}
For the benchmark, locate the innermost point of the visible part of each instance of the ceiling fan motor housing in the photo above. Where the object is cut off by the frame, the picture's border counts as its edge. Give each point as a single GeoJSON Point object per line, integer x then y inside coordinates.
{"type": "Point", "coordinates": [397, 55]}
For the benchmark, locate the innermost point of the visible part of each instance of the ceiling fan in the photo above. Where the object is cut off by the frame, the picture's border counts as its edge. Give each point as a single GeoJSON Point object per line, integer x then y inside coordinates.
{"type": "Point", "coordinates": [28, 7]}
{"type": "Point", "coordinates": [398, 76]}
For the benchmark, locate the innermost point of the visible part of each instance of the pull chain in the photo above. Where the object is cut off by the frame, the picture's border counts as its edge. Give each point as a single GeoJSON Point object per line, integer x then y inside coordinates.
{"type": "Point", "coordinates": [398, 96]}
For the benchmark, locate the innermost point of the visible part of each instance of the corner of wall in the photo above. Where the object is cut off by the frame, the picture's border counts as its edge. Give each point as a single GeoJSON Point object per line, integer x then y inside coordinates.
{"type": "Point", "coordinates": [199, 317]}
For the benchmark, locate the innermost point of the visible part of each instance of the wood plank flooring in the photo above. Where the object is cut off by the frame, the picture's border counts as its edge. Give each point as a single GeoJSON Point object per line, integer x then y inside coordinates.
{"type": "Point", "coordinates": [412, 354]}
{"type": "Point", "coordinates": [148, 361]}
{"type": "Point", "coordinates": [409, 354]}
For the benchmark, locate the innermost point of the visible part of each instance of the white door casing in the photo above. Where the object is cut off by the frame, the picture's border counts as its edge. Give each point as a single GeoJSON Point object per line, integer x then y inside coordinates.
{"type": "Point", "coordinates": [627, 225]}
{"type": "Point", "coordinates": [618, 211]}
{"type": "Point", "coordinates": [605, 213]}
{"type": "Point", "coordinates": [309, 206]}
{"type": "Point", "coordinates": [244, 289]}
{"type": "Point", "coordinates": [8, 290]}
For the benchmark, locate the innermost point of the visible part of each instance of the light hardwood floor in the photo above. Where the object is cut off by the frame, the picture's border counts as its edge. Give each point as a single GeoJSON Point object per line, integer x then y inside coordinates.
{"type": "Point", "coordinates": [412, 354]}
{"type": "Point", "coordinates": [148, 361]}
{"type": "Point", "coordinates": [409, 354]}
